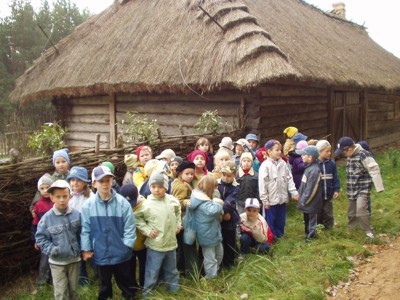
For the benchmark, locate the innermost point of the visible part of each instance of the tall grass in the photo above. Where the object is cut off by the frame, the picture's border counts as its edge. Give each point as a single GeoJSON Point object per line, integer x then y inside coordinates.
{"type": "Point", "coordinates": [294, 269]}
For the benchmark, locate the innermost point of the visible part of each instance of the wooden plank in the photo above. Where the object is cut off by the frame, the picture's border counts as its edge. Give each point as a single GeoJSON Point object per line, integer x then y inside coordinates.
{"type": "Point", "coordinates": [89, 110]}
{"type": "Point", "coordinates": [292, 91]}
{"type": "Point", "coordinates": [98, 100]}
{"type": "Point", "coordinates": [230, 97]}
{"type": "Point", "coordinates": [380, 116]}
{"type": "Point", "coordinates": [364, 115]}
{"type": "Point", "coordinates": [384, 125]}
{"type": "Point", "coordinates": [113, 126]}
{"type": "Point", "coordinates": [279, 110]}
{"type": "Point", "coordinates": [92, 119]}
{"type": "Point", "coordinates": [77, 145]}
{"type": "Point", "coordinates": [382, 106]}
{"type": "Point", "coordinates": [87, 127]}
{"type": "Point", "coordinates": [87, 137]}
{"type": "Point", "coordinates": [293, 118]}
{"type": "Point", "coordinates": [384, 140]}
{"type": "Point", "coordinates": [271, 101]}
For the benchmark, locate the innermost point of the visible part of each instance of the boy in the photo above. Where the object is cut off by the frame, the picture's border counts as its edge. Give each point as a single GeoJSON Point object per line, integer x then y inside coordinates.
{"type": "Point", "coordinates": [108, 234]}
{"type": "Point", "coordinates": [253, 228]}
{"type": "Point", "coordinates": [247, 179]}
{"type": "Point", "coordinates": [275, 182]}
{"type": "Point", "coordinates": [58, 237]}
{"type": "Point", "coordinates": [229, 191]}
{"type": "Point", "coordinates": [330, 183]}
{"type": "Point", "coordinates": [253, 142]}
{"type": "Point", "coordinates": [159, 219]}
{"type": "Point", "coordinates": [362, 170]}
{"type": "Point", "coordinates": [310, 202]}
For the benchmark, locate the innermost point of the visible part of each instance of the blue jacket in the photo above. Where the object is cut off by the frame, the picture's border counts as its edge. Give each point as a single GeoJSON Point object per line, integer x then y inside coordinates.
{"type": "Point", "coordinates": [330, 181]}
{"type": "Point", "coordinates": [229, 193]}
{"type": "Point", "coordinates": [206, 214]}
{"type": "Point", "coordinates": [58, 235]}
{"type": "Point", "coordinates": [310, 201]}
{"type": "Point", "coordinates": [108, 229]}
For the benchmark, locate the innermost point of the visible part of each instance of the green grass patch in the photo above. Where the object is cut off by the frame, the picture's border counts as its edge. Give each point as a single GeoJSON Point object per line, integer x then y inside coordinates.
{"type": "Point", "coordinates": [294, 269]}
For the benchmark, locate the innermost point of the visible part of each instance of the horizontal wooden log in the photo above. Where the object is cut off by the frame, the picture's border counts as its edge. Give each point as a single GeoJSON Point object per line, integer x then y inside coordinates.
{"type": "Point", "coordinates": [380, 116]}
{"type": "Point", "coordinates": [87, 137]}
{"type": "Point", "coordinates": [98, 100]}
{"type": "Point", "coordinates": [292, 119]}
{"type": "Point", "coordinates": [90, 110]}
{"type": "Point", "coordinates": [86, 127]}
{"type": "Point", "coordinates": [292, 101]}
{"type": "Point", "coordinates": [382, 97]}
{"type": "Point", "coordinates": [292, 91]}
{"type": "Point", "coordinates": [92, 119]}
{"type": "Point", "coordinates": [384, 139]}
{"type": "Point", "coordinates": [279, 110]}
{"type": "Point", "coordinates": [381, 106]}
{"type": "Point", "coordinates": [230, 97]}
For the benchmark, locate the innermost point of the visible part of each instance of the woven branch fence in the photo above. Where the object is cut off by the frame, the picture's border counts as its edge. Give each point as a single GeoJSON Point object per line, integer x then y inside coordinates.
{"type": "Point", "coordinates": [18, 185]}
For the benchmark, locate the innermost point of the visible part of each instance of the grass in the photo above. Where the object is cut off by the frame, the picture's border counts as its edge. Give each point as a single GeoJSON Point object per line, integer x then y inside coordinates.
{"type": "Point", "coordinates": [294, 269]}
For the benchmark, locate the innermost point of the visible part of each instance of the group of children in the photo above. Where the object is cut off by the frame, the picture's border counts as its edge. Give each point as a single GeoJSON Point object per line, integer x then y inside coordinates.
{"type": "Point", "coordinates": [175, 216]}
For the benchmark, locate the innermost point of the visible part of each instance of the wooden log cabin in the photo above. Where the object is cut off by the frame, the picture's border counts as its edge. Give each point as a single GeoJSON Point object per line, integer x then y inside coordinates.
{"type": "Point", "coordinates": [279, 63]}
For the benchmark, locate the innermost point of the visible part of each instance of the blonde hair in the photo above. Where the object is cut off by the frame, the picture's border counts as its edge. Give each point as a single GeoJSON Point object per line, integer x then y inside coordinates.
{"type": "Point", "coordinates": [203, 141]}
{"type": "Point", "coordinates": [208, 184]}
{"type": "Point", "coordinates": [219, 155]}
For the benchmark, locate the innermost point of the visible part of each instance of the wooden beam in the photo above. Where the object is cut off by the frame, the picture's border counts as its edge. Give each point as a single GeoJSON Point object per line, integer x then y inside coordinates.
{"type": "Point", "coordinates": [364, 116]}
{"type": "Point", "coordinates": [113, 126]}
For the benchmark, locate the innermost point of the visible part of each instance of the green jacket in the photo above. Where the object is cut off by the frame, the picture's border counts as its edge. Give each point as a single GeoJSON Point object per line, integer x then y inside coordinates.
{"type": "Point", "coordinates": [163, 215]}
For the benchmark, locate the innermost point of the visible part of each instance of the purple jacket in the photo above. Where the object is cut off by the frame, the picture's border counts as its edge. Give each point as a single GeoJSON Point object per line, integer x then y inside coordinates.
{"type": "Point", "coordinates": [297, 168]}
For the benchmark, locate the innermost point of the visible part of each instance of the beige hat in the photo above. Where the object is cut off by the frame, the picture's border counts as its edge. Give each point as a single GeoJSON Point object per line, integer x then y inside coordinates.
{"type": "Point", "coordinates": [167, 153]}
{"type": "Point", "coordinates": [322, 144]}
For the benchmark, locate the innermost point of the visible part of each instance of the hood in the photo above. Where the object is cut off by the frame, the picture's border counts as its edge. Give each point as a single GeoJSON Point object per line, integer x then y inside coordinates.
{"type": "Point", "coordinates": [197, 198]}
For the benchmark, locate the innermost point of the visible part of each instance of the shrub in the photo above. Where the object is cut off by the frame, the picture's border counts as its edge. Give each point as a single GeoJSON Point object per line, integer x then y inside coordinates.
{"type": "Point", "coordinates": [48, 139]}
{"type": "Point", "coordinates": [209, 122]}
{"type": "Point", "coordinates": [140, 129]}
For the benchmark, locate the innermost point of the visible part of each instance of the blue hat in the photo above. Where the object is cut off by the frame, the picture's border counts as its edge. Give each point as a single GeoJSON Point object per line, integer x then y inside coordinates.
{"type": "Point", "coordinates": [309, 150]}
{"type": "Point", "coordinates": [252, 136]}
{"type": "Point", "coordinates": [268, 145]}
{"type": "Point", "coordinates": [101, 171]}
{"type": "Point", "coordinates": [78, 173]}
{"type": "Point", "coordinates": [61, 153]}
{"type": "Point", "coordinates": [299, 137]}
{"type": "Point", "coordinates": [130, 192]}
{"type": "Point", "coordinates": [344, 143]}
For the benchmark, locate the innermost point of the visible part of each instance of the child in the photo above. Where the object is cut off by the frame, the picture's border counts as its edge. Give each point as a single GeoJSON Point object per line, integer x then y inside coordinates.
{"type": "Point", "coordinates": [110, 165]}
{"type": "Point", "coordinates": [159, 219]}
{"type": "Point", "coordinates": [330, 183]}
{"type": "Point", "coordinates": [78, 180]}
{"type": "Point", "coordinates": [229, 191]}
{"type": "Point", "coordinates": [153, 165]}
{"type": "Point", "coordinates": [289, 146]}
{"type": "Point", "coordinates": [130, 192]}
{"type": "Point", "coordinates": [204, 145]}
{"type": "Point", "coordinates": [226, 145]}
{"type": "Point", "coordinates": [275, 182]}
{"type": "Point", "coordinates": [362, 170]}
{"type": "Point", "coordinates": [248, 181]}
{"type": "Point", "coordinates": [254, 231]}
{"type": "Point", "coordinates": [40, 208]}
{"type": "Point", "coordinates": [200, 159]}
{"type": "Point", "coordinates": [220, 158]}
{"type": "Point", "coordinates": [131, 163]}
{"type": "Point", "coordinates": [108, 234]}
{"type": "Point", "coordinates": [299, 137]}
{"type": "Point", "coordinates": [175, 162]}
{"type": "Point", "coordinates": [181, 190]}
{"type": "Point", "coordinates": [297, 163]}
{"type": "Point", "coordinates": [241, 146]}
{"type": "Point", "coordinates": [253, 142]}
{"type": "Point", "coordinates": [310, 201]}
{"type": "Point", "coordinates": [58, 236]}
{"type": "Point", "coordinates": [144, 154]}
{"type": "Point", "coordinates": [166, 155]}
{"type": "Point", "coordinates": [206, 214]}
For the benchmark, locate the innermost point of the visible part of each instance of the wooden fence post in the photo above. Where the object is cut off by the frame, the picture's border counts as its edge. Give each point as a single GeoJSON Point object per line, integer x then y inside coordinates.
{"type": "Point", "coordinates": [97, 143]}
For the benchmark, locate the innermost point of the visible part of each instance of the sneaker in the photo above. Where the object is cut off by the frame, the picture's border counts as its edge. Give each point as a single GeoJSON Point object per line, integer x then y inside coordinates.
{"type": "Point", "coordinates": [370, 235]}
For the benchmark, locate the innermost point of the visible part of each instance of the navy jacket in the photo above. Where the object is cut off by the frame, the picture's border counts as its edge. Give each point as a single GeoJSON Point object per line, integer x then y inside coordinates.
{"type": "Point", "coordinates": [310, 191]}
{"type": "Point", "coordinates": [229, 193]}
{"type": "Point", "coordinates": [330, 181]}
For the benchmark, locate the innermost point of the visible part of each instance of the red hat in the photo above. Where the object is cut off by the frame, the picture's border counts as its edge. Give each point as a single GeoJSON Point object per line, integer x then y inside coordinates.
{"type": "Point", "coordinates": [191, 156]}
{"type": "Point", "coordinates": [261, 154]}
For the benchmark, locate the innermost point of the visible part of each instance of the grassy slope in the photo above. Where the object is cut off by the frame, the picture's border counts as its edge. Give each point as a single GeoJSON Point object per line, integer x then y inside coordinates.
{"type": "Point", "coordinates": [295, 269]}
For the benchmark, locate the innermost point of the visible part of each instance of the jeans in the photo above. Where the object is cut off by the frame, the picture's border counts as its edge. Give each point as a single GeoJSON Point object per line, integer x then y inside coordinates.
{"type": "Point", "coordinates": [229, 244]}
{"type": "Point", "coordinates": [65, 281]}
{"type": "Point", "coordinates": [276, 219]}
{"type": "Point", "coordinates": [160, 262]}
{"type": "Point", "coordinates": [247, 242]}
{"type": "Point", "coordinates": [44, 270]}
{"type": "Point", "coordinates": [212, 259]}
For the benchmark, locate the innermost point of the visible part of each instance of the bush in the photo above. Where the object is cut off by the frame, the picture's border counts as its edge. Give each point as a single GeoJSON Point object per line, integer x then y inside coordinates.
{"type": "Point", "coordinates": [140, 129]}
{"type": "Point", "coordinates": [48, 139]}
{"type": "Point", "coordinates": [209, 122]}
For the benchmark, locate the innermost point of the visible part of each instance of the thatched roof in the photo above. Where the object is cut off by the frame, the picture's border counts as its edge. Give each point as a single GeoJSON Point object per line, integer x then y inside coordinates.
{"type": "Point", "coordinates": [170, 46]}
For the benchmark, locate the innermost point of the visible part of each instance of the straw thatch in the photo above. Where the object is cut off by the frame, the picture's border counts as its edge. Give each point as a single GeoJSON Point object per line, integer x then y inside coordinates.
{"type": "Point", "coordinates": [166, 46]}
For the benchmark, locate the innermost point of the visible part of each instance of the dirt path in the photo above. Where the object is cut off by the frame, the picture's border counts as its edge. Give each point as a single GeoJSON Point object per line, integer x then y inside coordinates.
{"type": "Point", "coordinates": [378, 277]}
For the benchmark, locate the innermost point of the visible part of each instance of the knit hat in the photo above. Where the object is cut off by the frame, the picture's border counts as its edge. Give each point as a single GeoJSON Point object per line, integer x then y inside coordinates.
{"type": "Point", "coordinates": [160, 179]}
{"type": "Point", "coordinates": [108, 165]}
{"type": "Point", "coordinates": [270, 144]}
{"type": "Point", "coordinates": [101, 171]}
{"type": "Point", "coordinates": [309, 150]}
{"type": "Point", "coordinates": [322, 144]}
{"type": "Point", "coordinates": [344, 143]}
{"type": "Point", "coordinates": [299, 137]}
{"type": "Point", "coordinates": [228, 167]}
{"type": "Point", "coordinates": [177, 159]}
{"type": "Point", "coordinates": [301, 145]}
{"type": "Point", "coordinates": [185, 165]}
{"type": "Point", "coordinates": [151, 166]}
{"type": "Point", "coordinates": [192, 155]}
{"type": "Point", "coordinates": [45, 179]}
{"type": "Point", "coordinates": [167, 153]}
{"type": "Point", "coordinates": [59, 184]}
{"type": "Point", "coordinates": [140, 148]}
{"type": "Point", "coordinates": [252, 203]}
{"type": "Point", "coordinates": [61, 153]}
{"type": "Point", "coordinates": [290, 131]}
{"type": "Point", "coordinates": [131, 161]}
{"type": "Point", "coordinates": [130, 192]}
{"type": "Point", "coordinates": [78, 173]}
{"type": "Point", "coordinates": [251, 136]}
{"type": "Point", "coordinates": [246, 155]}
{"type": "Point", "coordinates": [226, 142]}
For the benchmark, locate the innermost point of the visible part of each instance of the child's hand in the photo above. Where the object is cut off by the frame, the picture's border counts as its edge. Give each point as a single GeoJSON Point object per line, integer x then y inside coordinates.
{"type": "Point", "coordinates": [86, 255]}
{"type": "Point", "coordinates": [296, 198]}
{"type": "Point", "coordinates": [36, 246]}
{"type": "Point", "coordinates": [226, 217]}
{"type": "Point", "coordinates": [178, 229]}
{"type": "Point", "coordinates": [335, 195]}
{"type": "Point", "coordinates": [266, 206]}
{"type": "Point", "coordinates": [153, 234]}
{"type": "Point", "coordinates": [33, 214]}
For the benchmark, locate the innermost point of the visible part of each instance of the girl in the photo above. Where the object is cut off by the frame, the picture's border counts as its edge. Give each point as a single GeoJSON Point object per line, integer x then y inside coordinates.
{"type": "Point", "coordinates": [220, 158]}
{"type": "Point", "coordinates": [297, 164]}
{"type": "Point", "coordinates": [241, 146]}
{"type": "Point", "coordinates": [173, 165]}
{"type": "Point", "coordinates": [200, 159]}
{"type": "Point", "coordinates": [144, 154]}
{"type": "Point", "coordinates": [206, 214]}
{"type": "Point", "coordinates": [204, 145]}
{"type": "Point", "coordinates": [78, 180]}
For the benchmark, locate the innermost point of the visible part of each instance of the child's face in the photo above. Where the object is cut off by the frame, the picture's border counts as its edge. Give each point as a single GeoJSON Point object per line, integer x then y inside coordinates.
{"type": "Point", "coordinates": [252, 213]}
{"type": "Point", "coordinates": [187, 175]}
{"type": "Point", "coordinates": [199, 161]}
{"type": "Point", "coordinates": [77, 185]}
{"type": "Point", "coordinates": [228, 177]}
{"type": "Point", "coordinates": [239, 150]}
{"type": "Point", "coordinates": [145, 156]}
{"type": "Point", "coordinates": [222, 161]}
{"type": "Point", "coordinates": [173, 165]}
{"type": "Point", "coordinates": [348, 152]}
{"type": "Point", "coordinates": [275, 152]}
{"type": "Point", "coordinates": [43, 190]}
{"type": "Point", "coordinates": [60, 198]}
{"type": "Point", "coordinates": [307, 158]}
{"type": "Point", "coordinates": [325, 153]}
{"type": "Point", "coordinates": [157, 190]}
{"type": "Point", "coordinates": [246, 164]}
{"type": "Point", "coordinates": [204, 147]}
{"type": "Point", "coordinates": [61, 165]}
{"type": "Point", "coordinates": [253, 144]}
{"type": "Point", "coordinates": [104, 185]}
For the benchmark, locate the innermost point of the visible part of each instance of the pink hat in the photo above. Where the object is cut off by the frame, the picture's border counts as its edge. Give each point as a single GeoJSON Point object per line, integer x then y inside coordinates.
{"type": "Point", "coordinates": [301, 145]}
{"type": "Point", "coordinates": [191, 156]}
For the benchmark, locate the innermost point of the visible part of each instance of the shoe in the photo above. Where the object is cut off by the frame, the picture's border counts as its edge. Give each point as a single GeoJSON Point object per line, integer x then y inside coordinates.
{"type": "Point", "coordinates": [370, 235]}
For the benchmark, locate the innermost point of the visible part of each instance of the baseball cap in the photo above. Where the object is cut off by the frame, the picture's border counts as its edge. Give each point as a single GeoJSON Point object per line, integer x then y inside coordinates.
{"type": "Point", "coordinates": [99, 172]}
{"type": "Point", "coordinates": [59, 184]}
{"type": "Point", "coordinates": [344, 143]}
{"type": "Point", "coordinates": [309, 150]}
{"type": "Point", "coordinates": [252, 203]}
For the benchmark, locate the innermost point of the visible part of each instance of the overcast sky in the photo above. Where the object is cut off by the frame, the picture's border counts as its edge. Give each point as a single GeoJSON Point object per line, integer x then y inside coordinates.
{"type": "Point", "coordinates": [380, 17]}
